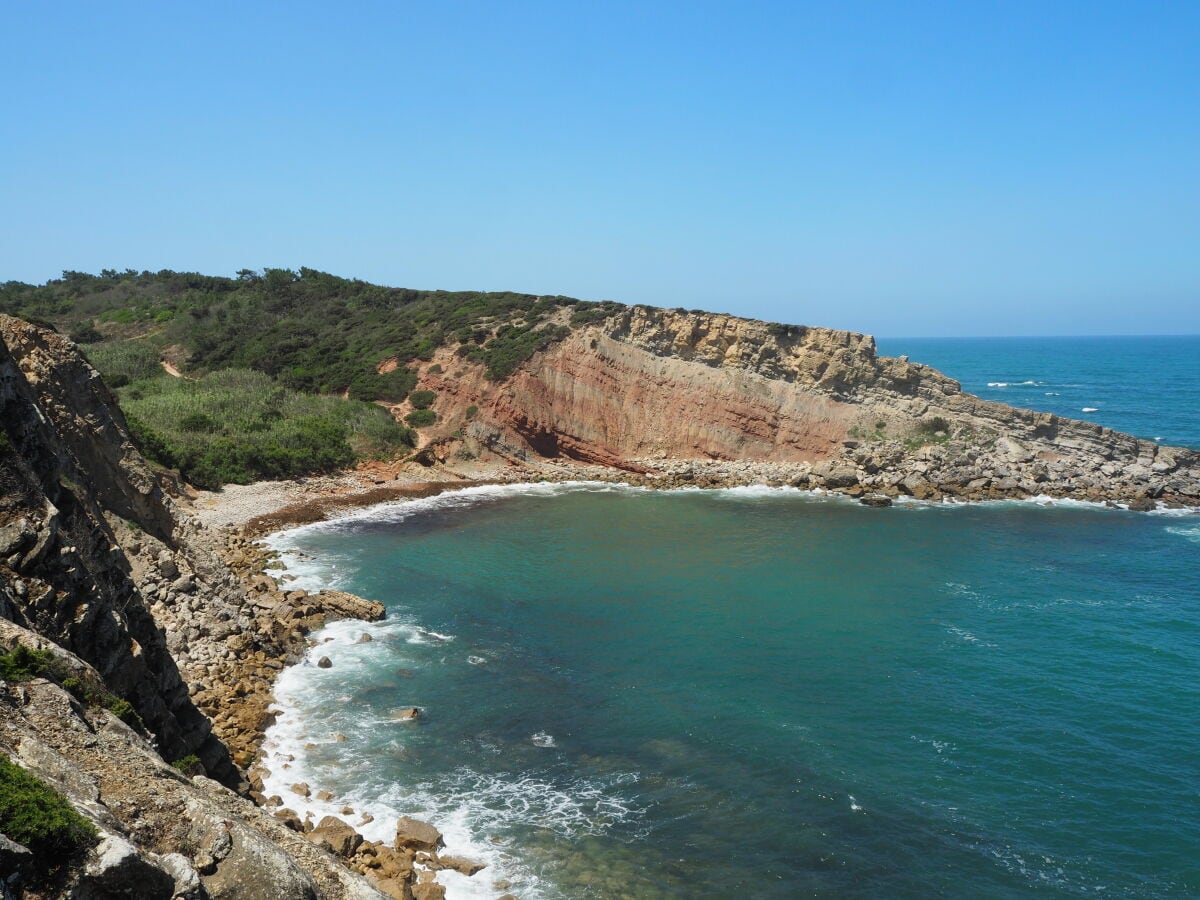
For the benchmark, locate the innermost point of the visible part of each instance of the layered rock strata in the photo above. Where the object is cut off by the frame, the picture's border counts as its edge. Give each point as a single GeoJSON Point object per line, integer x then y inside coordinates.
{"type": "Point", "coordinates": [649, 385]}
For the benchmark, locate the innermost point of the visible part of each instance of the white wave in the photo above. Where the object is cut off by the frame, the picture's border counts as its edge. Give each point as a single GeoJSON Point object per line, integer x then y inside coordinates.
{"type": "Point", "coordinates": [1192, 534]}
{"type": "Point", "coordinates": [854, 805]}
{"type": "Point", "coordinates": [997, 384]}
{"type": "Point", "coordinates": [542, 739]}
{"type": "Point", "coordinates": [477, 660]}
{"type": "Point", "coordinates": [1090, 409]}
{"type": "Point", "coordinates": [421, 635]}
{"type": "Point", "coordinates": [966, 636]}
{"type": "Point", "coordinates": [395, 511]}
{"type": "Point", "coordinates": [1051, 393]}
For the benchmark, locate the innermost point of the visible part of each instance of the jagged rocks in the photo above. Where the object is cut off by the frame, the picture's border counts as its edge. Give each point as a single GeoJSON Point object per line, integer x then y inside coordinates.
{"type": "Point", "coordinates": [337, 836]}
{"type": "Point", "coordinates": [116, 868]}
{"type": "Point", "coordinates": [414, 834]}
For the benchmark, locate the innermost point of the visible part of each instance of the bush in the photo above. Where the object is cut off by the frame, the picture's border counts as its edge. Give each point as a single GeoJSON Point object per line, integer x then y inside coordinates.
{"type": "Point", "coordinates": [422, 399]}
{"type": "Point", "coordinates": [472, 412]}
{"type": "Point", "coordinates": [190, 765]}
{"type": "Point", "coordinates": [123, 710]}
{"type": "Point", "coordinates": [85, 333]}
{"type": "Point", "coordinates": [421, 418]}
{"type": "Point", "coordinates": [34, 814]}
{"type": "Point", "coordinates": [934, 424]}
{"type": "Point", "coordinates": [22, 663]}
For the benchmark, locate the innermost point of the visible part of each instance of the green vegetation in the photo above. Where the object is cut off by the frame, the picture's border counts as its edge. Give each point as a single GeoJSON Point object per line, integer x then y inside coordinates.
{"type": "Point", "coordinates": [37, 816]}
{"type": "Point", "coordinates": [472, 412]}
{"type": "Point", "coordinates": [237, 426]}
{"type": "Point", "coordinates": [421, 418]}
{"type": "Point", "coordinates": [299, 334]}
{"type": "Point", "coordinates": [934, 424]}
{"type": "Point", "coordinates": [422, 399]}
{"type": "Point", "coordinates": [190, 765]}
{"type": "Point", "coordinates": [22, 663]}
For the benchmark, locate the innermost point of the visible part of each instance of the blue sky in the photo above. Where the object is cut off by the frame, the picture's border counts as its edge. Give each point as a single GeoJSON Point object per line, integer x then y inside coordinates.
{"type": "Point", "coordinates": [895, 168]}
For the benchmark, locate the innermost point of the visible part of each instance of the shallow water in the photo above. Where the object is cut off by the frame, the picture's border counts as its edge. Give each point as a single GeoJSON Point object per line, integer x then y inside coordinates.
{"type": "Point", "coordinates": [765, 693]}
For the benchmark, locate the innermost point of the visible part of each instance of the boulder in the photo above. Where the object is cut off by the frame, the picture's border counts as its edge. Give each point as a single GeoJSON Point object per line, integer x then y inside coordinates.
{"type": "Point", "coordinates": [302, 789]}
{"type": "Point", "coordinates": [835, 473]}
{"type": "Point", "coordinates": [340, 838]}
{"type": "Point", "coordinates": [875, 500]}
{"type": "Point", "coordinates": [406, 713]}
{"type": "Point", "coordinates": [324, 663]}
{"type": "Point", "coordinates": [1142, 504]}
{"type": "Point", "coordinates": [116, 868]}
{"type": "Point", "coordinates": [429, 890]}
{"type": "Point", "coordinates": [417, 835]}
{"type": "Point", "coordinates": [461, 864]}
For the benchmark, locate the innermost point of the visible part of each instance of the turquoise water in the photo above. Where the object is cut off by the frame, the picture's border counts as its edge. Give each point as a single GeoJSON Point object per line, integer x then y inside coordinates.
{"type": "Point", "coordinates": [763, 693]}
{"type": "Point", "coordinates": [756, 692]}
{"type": "Point", "coordinates": [1147, 386]}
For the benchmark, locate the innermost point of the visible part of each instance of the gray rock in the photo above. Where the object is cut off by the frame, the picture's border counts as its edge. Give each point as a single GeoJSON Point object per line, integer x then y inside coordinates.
{"type": "Point", "coordinates": [187, 879]}
{"type": "Point", "coordinates": [116, 868]}
{"type": "Point", "coordinates": [167, 565]}
{"type": "Point", "coordinates": [875, 500]}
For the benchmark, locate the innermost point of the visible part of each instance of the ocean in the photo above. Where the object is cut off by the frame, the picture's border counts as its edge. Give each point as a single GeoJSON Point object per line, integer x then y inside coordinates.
{"type": "Point", "coordinates": [770, 693]}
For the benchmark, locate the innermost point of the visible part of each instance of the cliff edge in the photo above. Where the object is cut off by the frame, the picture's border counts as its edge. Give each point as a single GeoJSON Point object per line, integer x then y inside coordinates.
{"type": "Point", "coordinates": [650, 385]}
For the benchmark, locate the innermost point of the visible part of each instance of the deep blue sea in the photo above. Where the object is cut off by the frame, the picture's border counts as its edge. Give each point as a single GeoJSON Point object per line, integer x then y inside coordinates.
{"type": "Point", "coordinates": [764, 693]}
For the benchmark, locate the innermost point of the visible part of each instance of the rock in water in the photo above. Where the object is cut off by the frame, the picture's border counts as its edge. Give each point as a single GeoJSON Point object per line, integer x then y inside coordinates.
{"type": "Point", "coordinates": [417, 835]}
{"type": "Point", "coordinates": [335, 834]}
{"type": "Point", "coordinates": [324, 663]}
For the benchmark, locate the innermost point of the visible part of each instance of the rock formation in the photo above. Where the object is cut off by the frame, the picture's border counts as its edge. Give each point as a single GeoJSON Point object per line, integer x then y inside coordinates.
{"type": "Point", "coordinates": [164, 639]}
{"type": "Point", "coordinates": [649, 385]}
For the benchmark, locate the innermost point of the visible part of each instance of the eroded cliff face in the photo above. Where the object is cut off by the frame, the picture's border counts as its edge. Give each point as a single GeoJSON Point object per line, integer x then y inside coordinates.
{"type": "Point", "coordinates": [136, 603]}
{"type": "Point", "coordinates": [652, 384]}
{"type": "Point", "coordinates": [65, 461]}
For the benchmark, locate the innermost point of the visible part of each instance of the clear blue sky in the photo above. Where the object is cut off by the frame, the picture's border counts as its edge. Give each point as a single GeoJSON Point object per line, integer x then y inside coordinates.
{"type": "Point", "coordinates": [894, 168]}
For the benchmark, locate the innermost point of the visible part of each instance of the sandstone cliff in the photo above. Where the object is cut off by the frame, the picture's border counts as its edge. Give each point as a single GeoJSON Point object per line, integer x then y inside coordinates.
{"type": "Point", "coordinates": [650, 384]}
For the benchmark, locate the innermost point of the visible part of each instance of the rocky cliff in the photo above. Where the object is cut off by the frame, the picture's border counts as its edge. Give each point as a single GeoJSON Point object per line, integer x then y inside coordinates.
{"type": "Point", "coordinates": [155, 642]}
{"type": "Point", "coordinates": [648, 385]}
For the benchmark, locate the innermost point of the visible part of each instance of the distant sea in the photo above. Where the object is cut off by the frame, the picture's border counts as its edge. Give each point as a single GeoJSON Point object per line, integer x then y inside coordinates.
{"type": "Point", "coordinates": [764, 693]}
{"type": "Point", "coordinates": [1146, 386]}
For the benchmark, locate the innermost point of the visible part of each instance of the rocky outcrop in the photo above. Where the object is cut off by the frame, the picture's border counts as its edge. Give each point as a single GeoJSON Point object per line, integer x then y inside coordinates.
{"type": "Point", "coordinates": [62, 571]}
{"type": "Point", "coordinates": [150, 622]}
{"type": "Point", "coordinates": [650, 385]}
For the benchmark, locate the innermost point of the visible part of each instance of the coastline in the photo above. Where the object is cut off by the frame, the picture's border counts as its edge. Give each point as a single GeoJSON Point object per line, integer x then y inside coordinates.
{"type": "Point", "coordinates": [282, 510]}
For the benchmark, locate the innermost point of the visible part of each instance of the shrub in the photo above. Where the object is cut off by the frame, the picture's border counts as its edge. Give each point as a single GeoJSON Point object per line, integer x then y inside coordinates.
{"type": "Point", "coordinates": [421, 418]}
{"type": "Point", "coordinates": [934, 424]}
{"type": "Point", "coordinates": [34, 814]}
{"type": "Point", "coordinates": [435, 369]}
{"type": "Point", "coordinates": [22, 663]}
{"type": "Point", "coordinates": [197, 422]}
{"type": "Point", "coordinates": [85, 333]}
{"type": "Point", "coordinates": [190, 765]}
{"type": "Point", "coordinates": [472, 412]}
{"type": "Point", "coordinates": [123, 710]}
{"type": "Point", "coordinates": [422, 399]}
